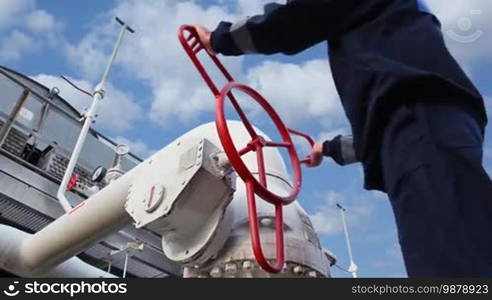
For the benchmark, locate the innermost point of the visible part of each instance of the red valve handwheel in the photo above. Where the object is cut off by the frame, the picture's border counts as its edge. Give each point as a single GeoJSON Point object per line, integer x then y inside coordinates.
{"type": "Point", "coordinates": [253, 186]}
{"type": "Point", "coordinates": [256, 144]}
{"type": "Point", "coordinates": [192, 45]}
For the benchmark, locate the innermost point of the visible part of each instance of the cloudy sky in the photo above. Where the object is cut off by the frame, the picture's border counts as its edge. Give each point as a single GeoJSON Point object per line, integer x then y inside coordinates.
{"type": "Point", "coordinates": [155, 95]}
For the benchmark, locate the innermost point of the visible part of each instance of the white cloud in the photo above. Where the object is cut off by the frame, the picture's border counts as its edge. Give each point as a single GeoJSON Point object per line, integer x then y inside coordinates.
{"type": "Point", "coordinates": [393, 258]}
{"type": "Point", "coordinates": [393, 255]}
{"type": "Point", "coordinates": [246, 7]}
{"type": "Point", "coordinates": [118, 110]}
{"type": "Point", "coordinates": [254, 7]}
{"type": "Point", "coordinates": [327, 220]}
{"type": "Point", "coordinates": [10, 11]}
{"type": "Point", "coordinates": [298, 92]}
{"type": "Point", "coordinates": [328, 135]}
{"type": "Point", "coordinates": [154, 55]}
{"type": "Point", "coordinates": [87, 58]}
{"type": "Point", "coordinates": [25, 29]}
{"type": "Point", "coordinates": [40, 21]}
{"type": "Point", "coordinates": [15, 45]}
{"type": "Point", "coordinates": [137, 147]}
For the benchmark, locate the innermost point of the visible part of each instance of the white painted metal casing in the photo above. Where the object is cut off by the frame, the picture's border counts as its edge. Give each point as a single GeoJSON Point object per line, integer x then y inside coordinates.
{"type": "Point", "coordinates": [183, 197]}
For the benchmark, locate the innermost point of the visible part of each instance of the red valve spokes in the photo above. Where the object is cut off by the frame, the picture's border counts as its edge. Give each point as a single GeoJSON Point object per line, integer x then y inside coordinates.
{"type": "Point", "coordinates": [246, 149]}
{"type": "Point", "coordinates": [261, 166]}
{"type": "Point", "coordinates": [278, 144]}
{"type": "Point", "coordinates": [257, 145]}
{"type": "Point", "coordinates": [243, 117]}
{"type": "Point", "coordinates": [309, 140]}
{"type": "Point", "coordinates": [255, 233]}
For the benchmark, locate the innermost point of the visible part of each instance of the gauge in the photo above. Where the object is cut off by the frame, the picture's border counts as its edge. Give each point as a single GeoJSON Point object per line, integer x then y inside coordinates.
{"type": "Point", "coordinates": [98, 174]}
{"type": "Point", "coordinates": [122, 150]}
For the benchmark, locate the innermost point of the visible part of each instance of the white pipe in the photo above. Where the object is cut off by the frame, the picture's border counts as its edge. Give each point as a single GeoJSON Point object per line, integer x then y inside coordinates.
{"type": "Point", "coordinates": [11, 240]}
{"type": "Point", "coordinates": [90, 116]}
{"type": "Point", "coordinates": [100, 215]}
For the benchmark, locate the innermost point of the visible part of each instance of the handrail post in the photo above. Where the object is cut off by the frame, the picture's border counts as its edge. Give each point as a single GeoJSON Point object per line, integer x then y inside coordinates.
{"type": "Point", "coordinates": [4, 131]}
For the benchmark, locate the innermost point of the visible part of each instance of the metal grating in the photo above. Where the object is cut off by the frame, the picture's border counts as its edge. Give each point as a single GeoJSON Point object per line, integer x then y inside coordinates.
{"type": "Point", "coordinates": [15, 142]}
{"type": "Point", "coordinates": [22, 215]}
{"type": "Point", "coordinates": [56, 164]}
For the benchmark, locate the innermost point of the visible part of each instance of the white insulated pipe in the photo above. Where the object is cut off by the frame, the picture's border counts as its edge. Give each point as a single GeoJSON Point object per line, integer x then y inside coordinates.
{"type": "Point", "coordinates": [11, 240]}
{"type": "Point", "coordinates": [92, 220]}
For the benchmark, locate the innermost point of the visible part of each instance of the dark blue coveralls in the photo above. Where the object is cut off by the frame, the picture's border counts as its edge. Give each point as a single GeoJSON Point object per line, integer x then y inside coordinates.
{"type": "Point", "coordinates": [417, 120]}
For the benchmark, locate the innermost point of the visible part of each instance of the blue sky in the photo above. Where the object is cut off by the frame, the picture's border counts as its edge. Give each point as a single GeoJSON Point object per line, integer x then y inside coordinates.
{"type": "Point", "coordinates": [155, 95]}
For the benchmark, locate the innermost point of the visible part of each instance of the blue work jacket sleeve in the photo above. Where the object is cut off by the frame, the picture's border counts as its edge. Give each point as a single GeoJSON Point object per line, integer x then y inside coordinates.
{"type": "Point", "coordinates": [292, 27]}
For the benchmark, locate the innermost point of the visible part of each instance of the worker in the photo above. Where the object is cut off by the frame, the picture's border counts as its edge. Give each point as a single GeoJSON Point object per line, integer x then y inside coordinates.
{"type": "Point", "coordinates": [416, 118]}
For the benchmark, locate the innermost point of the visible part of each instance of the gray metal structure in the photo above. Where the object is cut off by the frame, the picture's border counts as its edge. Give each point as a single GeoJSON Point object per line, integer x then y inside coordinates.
{"type": "Point", "coordinates": [38, 131]}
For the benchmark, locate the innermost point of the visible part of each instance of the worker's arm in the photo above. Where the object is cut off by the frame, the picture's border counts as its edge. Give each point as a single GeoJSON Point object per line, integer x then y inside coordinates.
{"type": "Point", "coordinates": [340, 149]}
{"type": "Point", "coordinates": [293, 27]}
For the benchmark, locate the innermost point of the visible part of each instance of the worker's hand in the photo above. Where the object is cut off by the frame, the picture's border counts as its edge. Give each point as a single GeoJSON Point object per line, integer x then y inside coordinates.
{"type": "Point", "coordinates": [316, 156]}
{"type": "Point", "coordinates": [204, 34]}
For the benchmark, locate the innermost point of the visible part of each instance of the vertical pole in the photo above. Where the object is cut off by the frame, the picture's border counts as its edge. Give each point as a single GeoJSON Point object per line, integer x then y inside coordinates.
{"type": "Point", "coordinates": [113, 55]}
{"type": "Point", "coordinates": [126, 264]}
{"type": "Point", "coordinates": [353, 267]}
{"type": "Point", "coordinates": [89, 119]}
{"type": "Point", "coordinates": [109, 266]}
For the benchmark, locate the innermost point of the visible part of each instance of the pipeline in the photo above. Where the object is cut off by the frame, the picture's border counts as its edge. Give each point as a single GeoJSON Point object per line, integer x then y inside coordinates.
{"type": "Point", "coordinates": [12, 240]}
